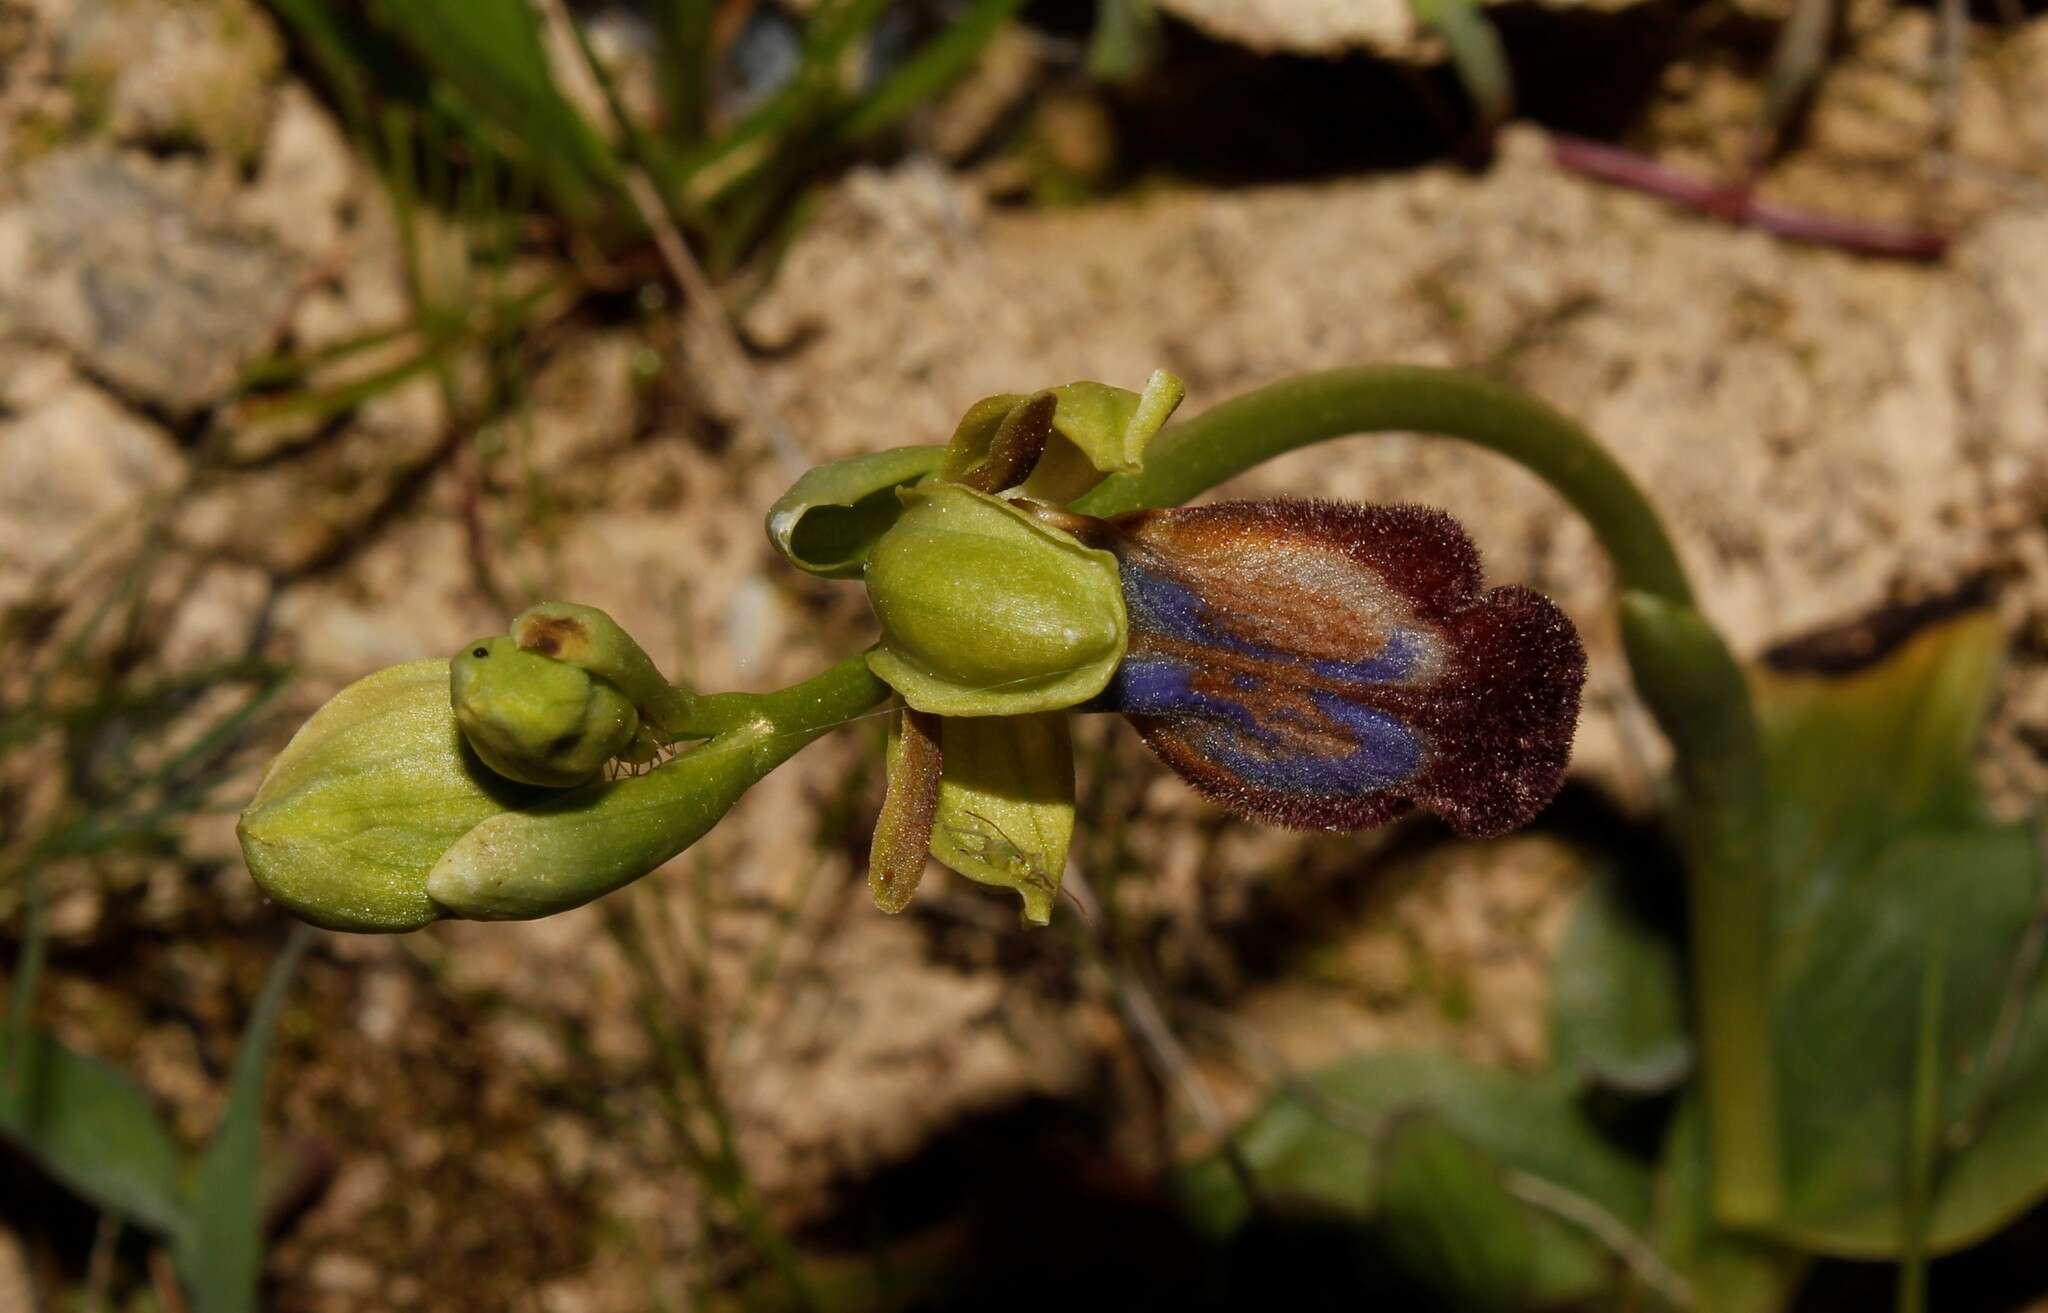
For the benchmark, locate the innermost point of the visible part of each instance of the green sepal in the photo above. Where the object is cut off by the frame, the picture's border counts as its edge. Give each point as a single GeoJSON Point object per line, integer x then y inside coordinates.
{"type": "Point", "coordinates": [362, 802]}
{"type": "Point", "coordinates": [987, 611]}
{"type": "Point", "coordinates": [830, 518]}
{"type": "Point", "coordinates": [1006, 804]}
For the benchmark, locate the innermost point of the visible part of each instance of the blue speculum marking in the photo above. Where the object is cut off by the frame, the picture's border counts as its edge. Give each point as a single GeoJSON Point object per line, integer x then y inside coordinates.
{"type": "Point", "coordinates": [1169, 608]}
{"type": "Point", "coordinates": [1264, 716]}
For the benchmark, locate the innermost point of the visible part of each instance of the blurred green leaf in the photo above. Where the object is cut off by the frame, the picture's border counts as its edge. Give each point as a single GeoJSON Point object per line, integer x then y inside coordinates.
{"type": "Point", "coordinates": [1860, 757]}
{"type": "Point", "coordinates": [1724, 1272]}
{"type": "Point", "coordinates": [1476, 53]}
{"type": "Point", "coordinates": [1617, 993]}
{"type": "Point", "coordinates": [830, 518]}
{"type": "Point", "coordinates": [354, 58]}
{"type": "Point", "coordinates": [683, 28]}
{"type": "Point", "coordinates": [93, 1129]}
{"type": "Point", "coordinates": [220, 1255]}
{"type": "Point", "coordinates": [1125, 41]}
{"type": "Point", "coordinates": [1847, 990]}
{"type": "Point", "coordinates": [1317, 1143]}
{"type": "Point", "coordinates": [491, 52]}
{"type": "Point", "coordinates": [1448, 1220]}
{"type": "Point", "coordinates": [1883, 851]}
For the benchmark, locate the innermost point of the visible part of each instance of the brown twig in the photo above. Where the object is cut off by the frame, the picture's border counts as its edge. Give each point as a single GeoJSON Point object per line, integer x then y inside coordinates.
{"type": "Point", "coordinates": [1147, 1024]}
{"type": "Point", "coordinates": [163, 1279]}
{"type": "Point", "coordinates": [1739, 204]}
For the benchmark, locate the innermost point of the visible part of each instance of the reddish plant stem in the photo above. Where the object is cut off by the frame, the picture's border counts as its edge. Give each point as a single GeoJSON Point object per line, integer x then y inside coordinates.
{"type": "Point", "coordinates": [1738, 203]}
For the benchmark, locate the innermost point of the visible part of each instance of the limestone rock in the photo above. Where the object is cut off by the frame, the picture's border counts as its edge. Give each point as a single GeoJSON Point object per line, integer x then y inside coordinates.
{"type": "Point", "coordinates": [121, 259]}
{"type": "Point", "coordinates": [173, 72]}
{"type": "Point", "coordinates": [77, 466]}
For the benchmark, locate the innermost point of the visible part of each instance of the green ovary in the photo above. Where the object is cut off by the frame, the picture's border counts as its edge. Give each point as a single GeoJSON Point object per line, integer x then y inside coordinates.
{"type": "Point", "coordinates": [986, 612]}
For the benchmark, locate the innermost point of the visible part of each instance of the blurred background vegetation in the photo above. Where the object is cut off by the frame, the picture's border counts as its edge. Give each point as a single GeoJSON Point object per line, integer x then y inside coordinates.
{"type": "Point", "coordinates": [332, 334]}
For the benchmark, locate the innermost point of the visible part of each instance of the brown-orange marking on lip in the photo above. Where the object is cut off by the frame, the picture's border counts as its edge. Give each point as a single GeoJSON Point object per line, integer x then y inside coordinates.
{"type": "Point", "coordinates": [550, 635]}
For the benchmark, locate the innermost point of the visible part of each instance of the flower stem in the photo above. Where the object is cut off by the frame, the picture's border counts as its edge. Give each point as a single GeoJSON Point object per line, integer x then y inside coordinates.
{"type": "Point", "coordinates": [1682, 668]}
{"type": "Point", "coordinates": [1195, 455]}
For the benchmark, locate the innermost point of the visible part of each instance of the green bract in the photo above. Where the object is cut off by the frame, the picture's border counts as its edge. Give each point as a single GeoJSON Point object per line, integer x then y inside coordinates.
{"type": "Point", "coordinates": [535, 719]}
{"type": "Point", "coordinates": [365, 799]}
{"type": "Point", "coordinates": [986, 611]}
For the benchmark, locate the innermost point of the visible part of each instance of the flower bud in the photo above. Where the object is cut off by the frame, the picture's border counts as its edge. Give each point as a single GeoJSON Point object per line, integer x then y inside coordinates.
{"type": "Point", "coordinates": [986, 611]}
{"type": "Point", "coordinates": [353, 814]}
{"type": "Point", "coordinates": [535, 719]}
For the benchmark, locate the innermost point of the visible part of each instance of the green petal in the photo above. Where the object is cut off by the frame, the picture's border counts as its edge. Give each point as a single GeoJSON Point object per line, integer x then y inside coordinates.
{"type": "Point", "coordinates": [588, 639]}
{"type": "Point", "coordinates": [1106, 430]}
{"type": "Point", "coordinates": [1006, 804]}
{"type": "Point", "coordinates": [986, 611]}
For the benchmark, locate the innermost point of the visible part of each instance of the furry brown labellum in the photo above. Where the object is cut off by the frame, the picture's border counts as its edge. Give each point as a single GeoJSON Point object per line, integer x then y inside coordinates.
{"type": "Point", "coordinates": [1327, 666]}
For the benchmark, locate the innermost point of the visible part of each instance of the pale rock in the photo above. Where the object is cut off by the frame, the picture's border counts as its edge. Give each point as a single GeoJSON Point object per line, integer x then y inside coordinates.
{"type": "Point", "coordinates": [78, 467]}
{"type": "Point", "coordinates": [121, 259]}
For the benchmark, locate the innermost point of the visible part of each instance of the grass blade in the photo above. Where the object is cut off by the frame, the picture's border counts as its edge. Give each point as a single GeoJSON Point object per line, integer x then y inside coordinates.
{"type": "Point", "coordinates": [490, 52]}
{"type": "Point", "coordinates": [1477, 55]}
{"type": "Point", "coordinates": [220, 1254]}
{"type": "Point", "coordinates": [943, 60]}
{"type": "Point", "coordinates": [93, 1129]}
{"type": "Point", "coordinates": [683, 28]}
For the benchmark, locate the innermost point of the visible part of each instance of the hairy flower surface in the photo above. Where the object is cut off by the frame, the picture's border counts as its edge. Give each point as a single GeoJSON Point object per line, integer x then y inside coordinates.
{"type": "Point", "coordinates": [1326, 666]}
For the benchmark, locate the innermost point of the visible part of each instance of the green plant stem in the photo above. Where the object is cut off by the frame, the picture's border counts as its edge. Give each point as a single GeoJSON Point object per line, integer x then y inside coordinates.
{"type": "Point", "coordinates": [1194, 455]}
{"type": "Point", "coordinates": [846, 692]}
{"type": "Point", "coordinates": [1683, 669]}
{"type": "Point", "coordinates": [1698, 694]}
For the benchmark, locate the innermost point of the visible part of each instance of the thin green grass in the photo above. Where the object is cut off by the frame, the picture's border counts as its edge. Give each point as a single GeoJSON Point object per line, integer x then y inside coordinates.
{"type": "Point", "coordinates": [481, 67]}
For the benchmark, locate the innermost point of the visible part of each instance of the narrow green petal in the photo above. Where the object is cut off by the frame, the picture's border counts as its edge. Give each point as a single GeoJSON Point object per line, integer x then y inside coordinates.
{"type": "Point", "coordinates": [1006, 804]}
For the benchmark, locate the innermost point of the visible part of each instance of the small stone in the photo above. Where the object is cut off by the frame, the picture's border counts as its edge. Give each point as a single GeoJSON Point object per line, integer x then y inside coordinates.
{"type": "Point", "coordinates": [112, 255]}
{"type": "Point", "coordinates": [78, 466]}
{"type": "Point", "coordinates": [306, 177]}
{"type": "Point", "coordinates": [173, 72]}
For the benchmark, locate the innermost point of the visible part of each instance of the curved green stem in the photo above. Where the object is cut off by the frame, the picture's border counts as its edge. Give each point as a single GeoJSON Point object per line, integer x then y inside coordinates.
{"type": "Point", "coordinates": [1195, 455]}
{"type": "Point", "coordinates": [847, 691]}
